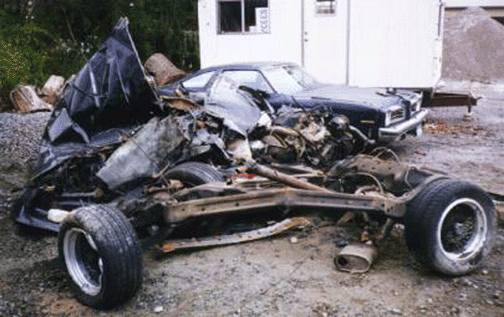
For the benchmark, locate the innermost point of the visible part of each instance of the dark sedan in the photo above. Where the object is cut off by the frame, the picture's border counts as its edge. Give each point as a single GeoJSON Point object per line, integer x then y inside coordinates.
{"type": "Point", "coordinates": [383, 115]}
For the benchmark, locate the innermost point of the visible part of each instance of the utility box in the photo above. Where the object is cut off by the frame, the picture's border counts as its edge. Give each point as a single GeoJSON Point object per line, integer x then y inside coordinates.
{"type": "Point", "coordinates": [366, 43]}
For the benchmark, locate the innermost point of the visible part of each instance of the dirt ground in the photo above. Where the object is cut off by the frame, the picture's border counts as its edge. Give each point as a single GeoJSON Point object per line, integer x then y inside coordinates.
{"type": "Point", "coordinates": [282, 276]}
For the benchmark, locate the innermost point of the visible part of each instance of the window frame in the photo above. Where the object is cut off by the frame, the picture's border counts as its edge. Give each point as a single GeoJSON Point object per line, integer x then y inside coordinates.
{"type": "Point", "coordinates": [243, 19]}
{"type": "Point", "coordinates": [332, 7]}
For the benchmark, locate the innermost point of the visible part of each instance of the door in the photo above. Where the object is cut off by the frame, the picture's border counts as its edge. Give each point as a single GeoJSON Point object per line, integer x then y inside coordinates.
{"type": "Point", "coordinates": [324, 39]}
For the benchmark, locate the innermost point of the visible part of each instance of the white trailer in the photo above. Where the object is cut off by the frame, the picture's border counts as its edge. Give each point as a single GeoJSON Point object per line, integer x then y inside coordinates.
{"type": "Point", "coordinates": [366, 43]}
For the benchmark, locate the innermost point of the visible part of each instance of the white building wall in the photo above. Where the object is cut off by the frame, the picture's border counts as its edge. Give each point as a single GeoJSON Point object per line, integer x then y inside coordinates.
{"type": "Point", "coordinates": [397, 44]}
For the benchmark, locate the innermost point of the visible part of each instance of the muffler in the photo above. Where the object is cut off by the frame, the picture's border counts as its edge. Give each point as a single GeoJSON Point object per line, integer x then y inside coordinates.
{"type": "Point", "coordinates": [356, 258]}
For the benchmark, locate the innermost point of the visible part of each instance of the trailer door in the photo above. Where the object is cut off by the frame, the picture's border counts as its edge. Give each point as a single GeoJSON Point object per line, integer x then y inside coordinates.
{"type": "Point", "coordinates": [324, 35]}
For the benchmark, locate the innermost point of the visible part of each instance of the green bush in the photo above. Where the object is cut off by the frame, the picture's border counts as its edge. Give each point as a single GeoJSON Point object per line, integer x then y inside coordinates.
{"type": "Point", "coordinates": [23, 54]}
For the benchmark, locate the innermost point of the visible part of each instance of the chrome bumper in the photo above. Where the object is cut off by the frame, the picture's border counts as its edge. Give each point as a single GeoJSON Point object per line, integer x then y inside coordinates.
{"type": "Point", "coordinates": [396, 131]}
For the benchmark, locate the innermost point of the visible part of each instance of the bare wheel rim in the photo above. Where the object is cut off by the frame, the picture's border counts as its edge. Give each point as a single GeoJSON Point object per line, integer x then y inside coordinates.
{"type": "Point", "coordinates": [83, 261]}
{"type": "Point", "coordinates": [462, 229]}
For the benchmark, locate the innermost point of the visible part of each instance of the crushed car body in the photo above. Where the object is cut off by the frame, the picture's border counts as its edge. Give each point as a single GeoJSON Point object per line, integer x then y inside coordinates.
{"type": "Point", "coordinates": [122, 169]}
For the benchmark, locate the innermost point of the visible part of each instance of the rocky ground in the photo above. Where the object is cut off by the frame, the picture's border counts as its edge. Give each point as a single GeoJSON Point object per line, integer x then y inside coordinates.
{"type": "Point", "coordinates": [290, 277]}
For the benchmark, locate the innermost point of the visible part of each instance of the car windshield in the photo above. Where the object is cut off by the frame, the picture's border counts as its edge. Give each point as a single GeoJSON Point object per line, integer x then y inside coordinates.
{"type": "Point", "coordinates": [289, 79]}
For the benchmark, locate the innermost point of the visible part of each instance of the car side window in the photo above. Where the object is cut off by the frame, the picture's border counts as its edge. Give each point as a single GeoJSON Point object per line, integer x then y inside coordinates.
{"type": "Point", "coordinates": [251, 78]}
{"type": "Point", "coordinates": [199, 81]}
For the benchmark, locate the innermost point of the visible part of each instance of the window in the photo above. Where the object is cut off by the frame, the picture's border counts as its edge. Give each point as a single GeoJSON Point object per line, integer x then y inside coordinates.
{"type": "Point", "coordinates": [199, 81]}
{"type": "Point", "coordinates": [250, 78]}
{"type": "Point", "coordinates": [289, 79]}
{"type": "Point", "coordinates": [325, 7]}
{"type": "Point", "coordinates": [243, 16]}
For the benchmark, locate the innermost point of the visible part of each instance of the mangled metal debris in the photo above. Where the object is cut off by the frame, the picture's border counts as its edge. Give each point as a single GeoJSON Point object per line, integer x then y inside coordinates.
{"type": "Point", "coordinates": [172, 245]}
{"type": "Point", "coordinates": [119, 165]}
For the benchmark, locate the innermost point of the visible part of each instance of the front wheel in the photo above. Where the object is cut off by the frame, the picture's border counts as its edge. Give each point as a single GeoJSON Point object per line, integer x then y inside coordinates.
{"type": "Point", "coordinates": [102, 255]}
{"type": "Point", "coordinates": [451, 228]}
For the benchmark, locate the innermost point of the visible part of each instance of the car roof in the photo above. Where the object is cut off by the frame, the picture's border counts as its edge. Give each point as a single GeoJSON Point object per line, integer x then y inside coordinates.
{"type": "Point", "coordinates": [248, 65]}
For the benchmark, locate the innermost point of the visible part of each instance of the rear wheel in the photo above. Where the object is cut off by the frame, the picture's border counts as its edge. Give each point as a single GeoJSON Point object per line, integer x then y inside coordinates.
{"type": "Point", "coordinates": [450, 226]}
{"type": "Point", "coordinates": [102, 255]}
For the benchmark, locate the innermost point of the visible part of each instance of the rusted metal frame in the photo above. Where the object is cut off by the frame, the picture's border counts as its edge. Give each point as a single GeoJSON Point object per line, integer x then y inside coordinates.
{"type": "Point", "coordinates": [283, 178]}
{"type": "Point", "coordinates": [172, 245]}
{"type": "Point", "coordinates": [442, 99]}
{"type": "Point", "coordinates": [286, 198]}
{"type": "Point", "coordinates": [263, 182]}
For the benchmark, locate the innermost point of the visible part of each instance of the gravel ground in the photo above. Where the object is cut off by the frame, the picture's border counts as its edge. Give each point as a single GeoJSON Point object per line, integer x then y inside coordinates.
{"type": "Point", "coordinates": [20, 136]}
{"type": "Point", "coordinates": [473, 47]}
{"type": "Point", "coordinates": [282, 276]}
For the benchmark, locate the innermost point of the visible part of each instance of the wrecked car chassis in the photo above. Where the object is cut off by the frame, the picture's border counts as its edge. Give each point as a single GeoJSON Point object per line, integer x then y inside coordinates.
{"type": "Point", "coordinates": [449, 224]}
{"type": "Point", "coordinates": [121, 170]}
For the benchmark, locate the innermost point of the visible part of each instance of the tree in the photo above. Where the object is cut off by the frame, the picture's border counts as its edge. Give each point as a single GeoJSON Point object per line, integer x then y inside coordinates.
{"type": "Point", "coordinates": [44, 37]}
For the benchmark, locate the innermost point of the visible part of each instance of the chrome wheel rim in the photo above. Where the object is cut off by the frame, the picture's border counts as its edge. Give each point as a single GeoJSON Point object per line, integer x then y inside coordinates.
{"type": "Point", "coordinates": [83, 261]}
{"type": "Point", "coordinates": [462, 229]}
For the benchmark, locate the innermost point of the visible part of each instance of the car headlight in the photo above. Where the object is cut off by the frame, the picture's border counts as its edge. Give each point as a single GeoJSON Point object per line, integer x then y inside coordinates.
{"type": "Point", "coordinates": [394, 114]}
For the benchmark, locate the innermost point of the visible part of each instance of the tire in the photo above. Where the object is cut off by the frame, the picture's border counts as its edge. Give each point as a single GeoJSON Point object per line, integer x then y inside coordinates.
{"type": "Point", "coordinates": [412, 217]}
{"type": "Point", "coordinates": [195, 173]}
{"type": "Point", "coordinates": [450, 226]}
{"type": "Point", "coordinates": [102, 255]}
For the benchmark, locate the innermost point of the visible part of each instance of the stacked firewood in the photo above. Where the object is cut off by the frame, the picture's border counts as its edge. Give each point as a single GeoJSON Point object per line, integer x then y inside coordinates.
{"type": "Point", "coordinates": [28, 99]}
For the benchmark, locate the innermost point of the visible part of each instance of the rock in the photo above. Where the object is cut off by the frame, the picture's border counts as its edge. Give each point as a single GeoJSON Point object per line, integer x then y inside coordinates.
{"type": "Point", "coordinates": [466, 282]}
{"type": "Point", "coordinates": [294, 240]}
{"type": "Point", "coordinates": [396, 311]}
{"type": "Point", "coordinates": [158, 309]}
